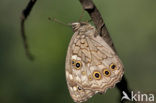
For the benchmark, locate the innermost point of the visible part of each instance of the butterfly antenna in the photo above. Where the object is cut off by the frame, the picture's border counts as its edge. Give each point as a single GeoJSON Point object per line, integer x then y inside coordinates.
{"type": "Point", "coordinates": [58, 21]}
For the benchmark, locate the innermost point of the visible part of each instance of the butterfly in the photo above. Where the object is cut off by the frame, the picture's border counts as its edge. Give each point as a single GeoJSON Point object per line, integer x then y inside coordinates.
{"type": "Point", "coordinates": [92, 66]}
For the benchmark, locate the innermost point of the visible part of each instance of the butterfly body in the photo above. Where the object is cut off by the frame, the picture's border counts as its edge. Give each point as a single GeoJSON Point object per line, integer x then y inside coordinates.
{"type": "Point", "coordinates": [91, 64]}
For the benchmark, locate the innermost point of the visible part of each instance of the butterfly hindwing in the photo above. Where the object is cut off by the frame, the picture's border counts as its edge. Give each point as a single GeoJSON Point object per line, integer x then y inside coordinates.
{"type": "Point", "coordinates": [91, 64]}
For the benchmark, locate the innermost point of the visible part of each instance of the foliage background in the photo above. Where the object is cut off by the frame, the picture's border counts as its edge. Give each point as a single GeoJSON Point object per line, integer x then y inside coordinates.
{"type": "Point", "coordinates": [131, 23]}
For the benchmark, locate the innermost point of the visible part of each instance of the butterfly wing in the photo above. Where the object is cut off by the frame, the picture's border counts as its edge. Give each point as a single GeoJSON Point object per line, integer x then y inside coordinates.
{"type": "Point", "coordinates": [104, 63]}
{"type": "Point", "coordinates": [91, 65]}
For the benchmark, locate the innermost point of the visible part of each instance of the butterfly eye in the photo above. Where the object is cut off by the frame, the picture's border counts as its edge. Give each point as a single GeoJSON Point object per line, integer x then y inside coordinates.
{"type": "Point", "coordinates": [97, 75]}
{"type": "Point", "coordinates": [113, 67]}
{"type": "Point", "coordinates": [106, 72]}
{"type": "Point", "coordinates": [77, 65]}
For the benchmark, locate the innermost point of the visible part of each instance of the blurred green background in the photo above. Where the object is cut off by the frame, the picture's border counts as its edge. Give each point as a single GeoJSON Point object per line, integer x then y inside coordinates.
{"type": "Point", "coordinates": [132, 26]}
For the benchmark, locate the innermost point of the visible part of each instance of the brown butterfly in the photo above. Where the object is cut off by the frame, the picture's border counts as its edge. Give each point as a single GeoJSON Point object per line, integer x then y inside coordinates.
{"type": "Point", "coordinates": [91, 64]}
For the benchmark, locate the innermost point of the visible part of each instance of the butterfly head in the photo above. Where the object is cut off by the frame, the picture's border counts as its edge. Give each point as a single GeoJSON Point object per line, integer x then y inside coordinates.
{"type": "Point", "coordinates": [77, 25]}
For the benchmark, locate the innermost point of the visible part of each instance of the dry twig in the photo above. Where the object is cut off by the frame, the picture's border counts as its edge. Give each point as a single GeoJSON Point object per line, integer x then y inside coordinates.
{"type": "Point", "coordinates": [25, 14]}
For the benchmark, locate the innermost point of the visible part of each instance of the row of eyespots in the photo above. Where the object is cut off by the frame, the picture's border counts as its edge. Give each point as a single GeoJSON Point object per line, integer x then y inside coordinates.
{"type": "Point", "coordinates": [106, 72]}
{"type": "Point", "coordinates": [96, 74]}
